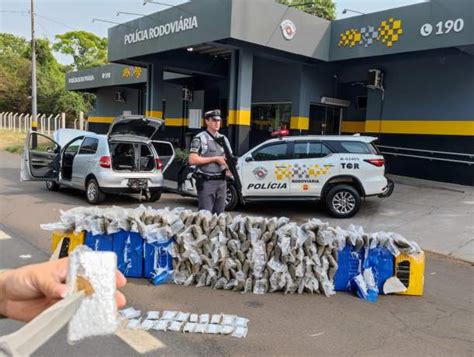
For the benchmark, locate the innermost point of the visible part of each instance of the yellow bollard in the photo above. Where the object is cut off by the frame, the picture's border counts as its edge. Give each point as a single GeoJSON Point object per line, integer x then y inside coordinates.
{"type": "Point", "coordinates": [410, 269]}
{"type": "Point", "coordinates": [68, 241]}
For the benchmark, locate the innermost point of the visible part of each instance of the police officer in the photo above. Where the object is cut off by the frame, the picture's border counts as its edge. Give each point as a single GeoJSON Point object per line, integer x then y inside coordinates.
{"type": "Point", "coordinates": [209, 157]}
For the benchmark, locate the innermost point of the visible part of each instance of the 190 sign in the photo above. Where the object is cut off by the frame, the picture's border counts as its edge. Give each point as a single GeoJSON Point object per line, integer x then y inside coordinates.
{"type": "Point", "coordinates": [442, 27]}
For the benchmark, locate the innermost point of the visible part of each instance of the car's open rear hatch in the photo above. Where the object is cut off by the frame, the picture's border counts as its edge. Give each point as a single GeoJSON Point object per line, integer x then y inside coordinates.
{"type": "Point", "coordinates": [134, 126]}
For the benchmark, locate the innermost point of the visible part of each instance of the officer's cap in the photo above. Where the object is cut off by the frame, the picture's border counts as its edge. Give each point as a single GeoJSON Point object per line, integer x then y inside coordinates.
{"type": "Point", "coordinates": [213, 114]}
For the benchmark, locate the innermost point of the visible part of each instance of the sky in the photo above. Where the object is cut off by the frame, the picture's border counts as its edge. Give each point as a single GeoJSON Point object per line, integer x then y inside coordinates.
{"type": "Point", "coordinates": [59, 16]}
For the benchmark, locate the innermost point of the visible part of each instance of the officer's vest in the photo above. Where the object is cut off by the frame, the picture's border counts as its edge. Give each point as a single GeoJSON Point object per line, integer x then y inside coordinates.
{"type": "Point", "coordinates": [209, 148]}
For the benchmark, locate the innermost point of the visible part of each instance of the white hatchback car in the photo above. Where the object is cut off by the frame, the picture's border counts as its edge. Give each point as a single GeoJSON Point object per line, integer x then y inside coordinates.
{"type": "Point", "coordinates": [339, 170]}
{"type": "Point", "coordinates": [126, 160]}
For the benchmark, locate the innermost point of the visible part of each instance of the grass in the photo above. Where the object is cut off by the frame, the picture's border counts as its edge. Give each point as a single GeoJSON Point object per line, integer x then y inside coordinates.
{"type": "Point", "coordinates": [12, 141]}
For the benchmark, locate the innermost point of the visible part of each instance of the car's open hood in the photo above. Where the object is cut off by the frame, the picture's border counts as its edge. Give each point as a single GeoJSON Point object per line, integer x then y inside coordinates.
{"type": "Point", "coordinates": [134, 126]}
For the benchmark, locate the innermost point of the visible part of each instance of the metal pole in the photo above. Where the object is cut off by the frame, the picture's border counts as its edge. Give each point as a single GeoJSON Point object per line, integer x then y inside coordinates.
{"type": "Point", "coordinates": [27, 122]}
{"type": "Point", "coordinates": [1, 120]}
{"type": "Point", "coordinates": [56, 122]}
{"type": "Point", "coordinates": [43, 123]}
{"type": "Point", "coordinates": [34, 123]}
{"type": "Point", "coordinates": [75, 123]}
{"type": "Point", "coordinates": [63, 120]}
{"type": "Point", "coordinates": [19, 122]}
{"type": "Point", "coordinates": [49, 124]}
{"type": "Point", "coordinates": [14, 122]}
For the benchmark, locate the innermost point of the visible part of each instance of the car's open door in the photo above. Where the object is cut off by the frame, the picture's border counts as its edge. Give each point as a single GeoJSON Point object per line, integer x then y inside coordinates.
{"type": "Point", "coordinates": [165, 151]}
{"type": "Point", "coordinates": [41, 158]}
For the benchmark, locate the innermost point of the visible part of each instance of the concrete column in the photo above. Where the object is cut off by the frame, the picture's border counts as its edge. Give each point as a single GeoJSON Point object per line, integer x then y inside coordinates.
{"type": "Point", "coordinates": [299, 122]}
{"type": "Point", "coordinates": [155, 89]}
{"type": "Point", "coordinates": [240, 100]}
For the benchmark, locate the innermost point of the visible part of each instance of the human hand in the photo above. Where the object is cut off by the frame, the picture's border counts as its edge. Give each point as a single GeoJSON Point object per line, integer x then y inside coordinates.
{"type": "Point", "coordinates": [27, 291]}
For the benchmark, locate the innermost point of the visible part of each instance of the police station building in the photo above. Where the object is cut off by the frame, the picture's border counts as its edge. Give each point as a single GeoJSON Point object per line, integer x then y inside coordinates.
{"type": "Point", "coordinates": [405, 75]}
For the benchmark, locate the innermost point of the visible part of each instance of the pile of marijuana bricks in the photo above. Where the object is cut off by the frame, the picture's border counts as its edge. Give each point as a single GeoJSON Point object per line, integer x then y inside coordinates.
{"type": "Point", "coordinates": [240, 253]}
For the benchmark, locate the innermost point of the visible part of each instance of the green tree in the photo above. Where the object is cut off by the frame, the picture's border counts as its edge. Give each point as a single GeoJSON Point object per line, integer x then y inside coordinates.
{"type": "Point", "coordinates": [15, 73]}
{"type": "Point", "coordinates": [87, 49]}
{"type": "Point", "coordinates": [325, 9]}
{"type": "Point", "coordinates": [15, 80]}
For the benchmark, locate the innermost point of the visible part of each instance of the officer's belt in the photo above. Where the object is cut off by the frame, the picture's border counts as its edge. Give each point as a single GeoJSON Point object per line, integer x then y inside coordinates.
{"type": "Point", "coordinates": [210, 177]}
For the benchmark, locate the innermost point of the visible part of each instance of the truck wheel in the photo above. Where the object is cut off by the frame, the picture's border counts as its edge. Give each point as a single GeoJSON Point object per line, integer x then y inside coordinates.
{"type": "Point", "coordinates": [231, 198]}
{"type": "Point", "coordinates": [93, 193]}
{"type": "Point", "coordinates": [154, 196]}
{"type": "Point", "coordinates": [52, 186]}
{"type": "Point", "coordinates": [343, 201]}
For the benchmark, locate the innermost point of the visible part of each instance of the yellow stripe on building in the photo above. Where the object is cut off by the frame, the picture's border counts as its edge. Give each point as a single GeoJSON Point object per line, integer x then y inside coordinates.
{"type": "Point", "coordinates": [299, 123]}
{"type": "Point", "coordinates": [154, 114]}
{"type": "Point", "coordinates": [353, 126]}
{"type": "Point", "coordinates": [422, 127]}
{"type": "Point", "coordinates": [239, 117]}
{"type": "Point", "coordinates": [176, 121]}
{"type": "Point", "coordinates": [101, 120]}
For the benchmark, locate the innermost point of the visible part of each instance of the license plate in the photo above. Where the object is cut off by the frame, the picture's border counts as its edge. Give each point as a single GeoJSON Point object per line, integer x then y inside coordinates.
{"type": "Point", "coordinates": [138, 184]}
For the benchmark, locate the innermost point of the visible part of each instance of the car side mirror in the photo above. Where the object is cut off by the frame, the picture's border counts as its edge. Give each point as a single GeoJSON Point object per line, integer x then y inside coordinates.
{"type": "Point", "coordinates": [248, 159]}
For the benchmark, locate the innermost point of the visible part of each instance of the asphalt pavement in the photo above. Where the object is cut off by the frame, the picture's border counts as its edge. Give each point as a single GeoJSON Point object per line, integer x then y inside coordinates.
{"type": "Point", "coordinates": [439, 323]}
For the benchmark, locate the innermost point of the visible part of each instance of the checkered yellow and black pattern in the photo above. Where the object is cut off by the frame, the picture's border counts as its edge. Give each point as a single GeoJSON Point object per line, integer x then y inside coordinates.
{"type": "Point", "coordinates": [282, 172]}
{"type": "Point", "coordinates": [317, 170]}
{"type": "Point", "coordinates": [349, 38]}
{"type": "Point", "coordinates": [390, 31]}
{"type": "Point", "coordinates": [299, 171]}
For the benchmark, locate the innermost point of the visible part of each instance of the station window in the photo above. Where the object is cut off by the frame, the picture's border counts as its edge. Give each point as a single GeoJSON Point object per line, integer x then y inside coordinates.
{"type": "Point", "coordinates": [269, 117]}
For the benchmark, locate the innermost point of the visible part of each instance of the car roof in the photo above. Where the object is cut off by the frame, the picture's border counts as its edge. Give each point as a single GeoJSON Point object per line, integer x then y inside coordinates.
{"type": "Point", "coordinates": [365, 139]}
{"type": "Point", "coordinates": [64, 136]}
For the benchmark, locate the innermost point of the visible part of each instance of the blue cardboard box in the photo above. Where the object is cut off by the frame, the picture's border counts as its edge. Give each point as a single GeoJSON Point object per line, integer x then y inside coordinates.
{"type": "Point", "coordinates": [99, 242]}
{"type": "Point", "coordinates": [349, 265]}
{"type": "Point", "coordinates": [156, 257]}
{"type": "Point", "coordinates": [129, 249]}
{"type": "Point", "coordinates": [382, 263]}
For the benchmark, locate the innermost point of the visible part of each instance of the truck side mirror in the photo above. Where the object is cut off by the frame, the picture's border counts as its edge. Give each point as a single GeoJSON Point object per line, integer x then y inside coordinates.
{"type": "Point", "coordinates": [249, 158]}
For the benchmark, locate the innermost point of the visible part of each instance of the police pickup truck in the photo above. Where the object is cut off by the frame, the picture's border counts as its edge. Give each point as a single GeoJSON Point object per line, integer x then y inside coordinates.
{"type": "Point", "coordinates": [338, 170]}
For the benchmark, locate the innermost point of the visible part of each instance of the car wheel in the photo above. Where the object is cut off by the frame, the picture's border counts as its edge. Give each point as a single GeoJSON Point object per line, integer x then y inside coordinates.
{"type": "Point", "coordinates": [343, 201]}
{"type": "Point", "coordinates": [154, 196]}
{"type": "Point", "coordinates": [231, 198]}
{"type": "Point", "coordinates": [93, 193]}
{"type": "Point", "coordinates": [52, 186]}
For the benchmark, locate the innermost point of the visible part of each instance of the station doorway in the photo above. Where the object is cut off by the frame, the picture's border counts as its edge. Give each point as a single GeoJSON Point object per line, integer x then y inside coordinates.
{"type": "Point", "coordinates": [325, 120]}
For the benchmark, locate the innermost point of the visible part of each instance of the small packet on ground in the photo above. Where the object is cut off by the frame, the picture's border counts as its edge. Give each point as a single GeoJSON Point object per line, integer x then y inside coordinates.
{"type": "Point", "coordinates": [204, 319]}
{"type": "Point", "coordinates": [240, 332]}
{"type": "Point", "coordinates": [161, 325]}
{"type": "Point", "coordinates": [189, 327]}
{"type": "Point", "coordinates": [216, 318]}
{"type": "Point", "coordinates": [227, 330]}
{"type": "Point", "coordinates": [200, 328]}
{"type": "Point", "coordinates": [175, 326]}
{"type": "Point", "coordinates": [182, 316]}
{"type": "Point", "coordinates": [130, 313]}
{"type": "Point", "coordinates": [169, 315]}
{"type": "Point", "coordinates": [241, 322]}
{"type": "Point", "coordinates": [214, 329]}
{"type": "Point", "coordinates": [153, 315]}
{"type": "Point", "coordinates": [194, 318]}
{"type": "Point", "coordinates": [228, 319]}
{"type": "Point", "coordinates": [147, 324]}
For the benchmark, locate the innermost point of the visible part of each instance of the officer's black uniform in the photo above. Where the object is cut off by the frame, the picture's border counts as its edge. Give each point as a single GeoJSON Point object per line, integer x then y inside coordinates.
{"type": "Point", "coordinates": [210, 178]}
